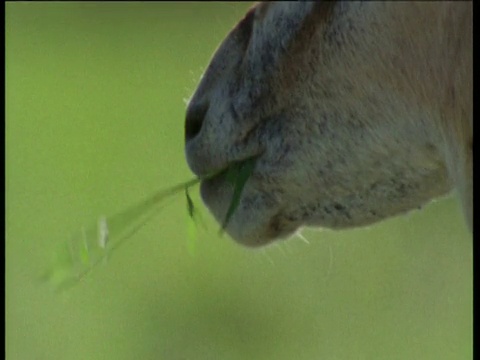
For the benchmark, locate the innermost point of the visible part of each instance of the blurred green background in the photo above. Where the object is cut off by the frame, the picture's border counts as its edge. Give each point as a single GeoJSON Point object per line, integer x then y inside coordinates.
{"type": "Point", "coordinates": [95, 103]}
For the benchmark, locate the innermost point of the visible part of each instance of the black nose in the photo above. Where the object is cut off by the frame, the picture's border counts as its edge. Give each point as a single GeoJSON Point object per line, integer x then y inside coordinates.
{"type": "Point", "coordinates": [194, 120]}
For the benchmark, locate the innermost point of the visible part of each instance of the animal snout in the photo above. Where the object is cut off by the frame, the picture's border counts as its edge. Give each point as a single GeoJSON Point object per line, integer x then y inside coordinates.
{"type": "Point", "coordinates": [194, 119]}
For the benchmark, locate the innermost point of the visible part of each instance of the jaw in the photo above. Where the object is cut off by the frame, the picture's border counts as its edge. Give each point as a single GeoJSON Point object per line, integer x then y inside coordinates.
{"type": "Point", "coordinates": [267, 213]}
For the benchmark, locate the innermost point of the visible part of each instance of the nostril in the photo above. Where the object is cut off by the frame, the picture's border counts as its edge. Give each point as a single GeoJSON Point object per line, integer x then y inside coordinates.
{"type": "Point", "coordinates": [194, 120]}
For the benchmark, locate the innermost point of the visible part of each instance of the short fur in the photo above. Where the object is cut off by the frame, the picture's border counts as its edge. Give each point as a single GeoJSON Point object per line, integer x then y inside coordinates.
{"type": "Point", "coordinates": [357, 111]}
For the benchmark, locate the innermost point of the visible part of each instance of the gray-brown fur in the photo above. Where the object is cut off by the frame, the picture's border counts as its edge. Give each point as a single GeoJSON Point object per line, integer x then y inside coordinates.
{"type": "Point", "coordinates": [357, 112]}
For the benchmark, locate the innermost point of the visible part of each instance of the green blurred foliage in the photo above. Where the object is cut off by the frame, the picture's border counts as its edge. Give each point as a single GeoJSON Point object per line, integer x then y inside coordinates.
{"type": "Point", "coordinates": [95, 104]}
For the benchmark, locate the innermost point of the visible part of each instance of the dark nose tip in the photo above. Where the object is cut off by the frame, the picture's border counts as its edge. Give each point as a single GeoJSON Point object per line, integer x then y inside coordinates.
{"type": "Point", "coordinates": [194, 120]}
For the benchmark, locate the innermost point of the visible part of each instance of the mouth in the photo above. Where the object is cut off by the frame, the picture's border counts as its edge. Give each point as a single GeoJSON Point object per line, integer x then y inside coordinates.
{"type": "Point", "coordinates": [235, 177]}
{"type": "Point", "coordinates": [231, 171]}
{"type": "Point", "coordinates": [223, 192]}
{"type": "Point", "coordinates": [252, 217]}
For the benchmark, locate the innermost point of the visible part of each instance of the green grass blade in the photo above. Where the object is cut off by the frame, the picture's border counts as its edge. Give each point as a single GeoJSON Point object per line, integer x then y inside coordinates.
{"type": "Point", "coordinates": [92, 245]}
{"type": "Point", "coordinates": [240, 174]}
{"type": "Point", "coordinates": [95, 243]}
{"type": "Point", "coordinates": [191, 226]}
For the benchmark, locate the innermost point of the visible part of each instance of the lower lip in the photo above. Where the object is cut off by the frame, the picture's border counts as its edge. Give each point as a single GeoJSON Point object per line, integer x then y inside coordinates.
{"type": "Point", "coordinates": [213, 187]}
{"type": "Point", "coordinates": [216, 194]}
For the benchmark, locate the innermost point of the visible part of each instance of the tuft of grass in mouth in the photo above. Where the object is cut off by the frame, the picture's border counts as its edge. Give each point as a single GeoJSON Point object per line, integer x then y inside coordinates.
{"type": "Point", "coordinates": [94, 244]}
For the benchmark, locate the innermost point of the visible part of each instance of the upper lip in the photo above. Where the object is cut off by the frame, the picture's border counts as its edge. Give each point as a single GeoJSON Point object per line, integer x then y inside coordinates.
{"type": "Point", "coordinates": [207, 162]}
{"type": "Point", "coordinates": [206, 158]}
{"type": "Point", "coordinates": [225, 169]}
